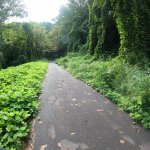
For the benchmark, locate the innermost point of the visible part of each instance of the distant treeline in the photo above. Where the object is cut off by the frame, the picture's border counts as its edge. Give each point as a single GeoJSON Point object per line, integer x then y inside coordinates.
{"type": "Point", "coordinates": [23, 42]}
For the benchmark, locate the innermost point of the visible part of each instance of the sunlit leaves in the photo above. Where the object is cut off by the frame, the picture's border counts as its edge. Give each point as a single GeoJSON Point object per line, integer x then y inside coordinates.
{"type": "Point", "coordinates": [11, 8]}
{"type": "Point", "coordinates": [19, 90]}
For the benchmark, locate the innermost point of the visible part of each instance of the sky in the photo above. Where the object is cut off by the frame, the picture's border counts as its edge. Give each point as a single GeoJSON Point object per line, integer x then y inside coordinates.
{"type": "Point", "coordinates": [41, 10]}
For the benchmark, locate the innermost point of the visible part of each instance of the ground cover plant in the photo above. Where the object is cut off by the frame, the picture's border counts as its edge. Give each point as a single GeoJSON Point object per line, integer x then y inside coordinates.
{"type": "Point", "coordinates": [19, 90]}
{"type": "Point", "coordinates": [124, 84]}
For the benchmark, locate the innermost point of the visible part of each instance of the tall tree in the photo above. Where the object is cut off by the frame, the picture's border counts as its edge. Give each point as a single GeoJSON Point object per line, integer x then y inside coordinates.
{"type": "Point", "coordinates": [103, 39]}
{"type": "Point", "coordinates": [133, 22]}
{"type": "Point", "coordinates": [9, 8]}
{"type": "Point", "coordinates": [73, 20]}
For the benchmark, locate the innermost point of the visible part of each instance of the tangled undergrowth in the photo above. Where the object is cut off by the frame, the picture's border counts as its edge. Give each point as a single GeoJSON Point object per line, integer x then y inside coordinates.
{"type": "Point", "coordinates": [124, 84]}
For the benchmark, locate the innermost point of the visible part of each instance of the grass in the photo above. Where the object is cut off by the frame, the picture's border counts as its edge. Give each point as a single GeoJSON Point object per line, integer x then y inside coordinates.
{"type": "Point", "coordinates": [125, 85]}
{"type": "Point", "coordinates": [19, 90]}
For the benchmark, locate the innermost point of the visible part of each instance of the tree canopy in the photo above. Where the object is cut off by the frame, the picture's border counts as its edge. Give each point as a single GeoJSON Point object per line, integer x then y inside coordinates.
{"type": "Point", "coordinates": [108, 28]}
{"type": "Point", "coordinates": [11, 8]}
{"type": "Point", "coordinates": [101, 28]}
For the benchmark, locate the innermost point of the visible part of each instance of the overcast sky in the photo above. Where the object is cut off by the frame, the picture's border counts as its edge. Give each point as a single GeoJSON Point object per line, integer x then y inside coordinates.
{"type": "Point", "coordinates": [41, 10]}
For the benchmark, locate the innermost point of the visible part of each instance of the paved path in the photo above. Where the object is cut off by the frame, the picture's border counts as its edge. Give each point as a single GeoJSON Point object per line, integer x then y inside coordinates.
{"type": "Point", "coordinates": [75, 117]}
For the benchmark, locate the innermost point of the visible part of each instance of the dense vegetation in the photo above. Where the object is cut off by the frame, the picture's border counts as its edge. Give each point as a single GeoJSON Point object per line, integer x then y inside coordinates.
{"type": "Point", "coordinates": [108, 43]}
{"type": "Point", "coordinates": [101, 28]}
{"type": "Point", "coordinates": [128, 20]}
{"type": "Point", "coordinates": [108, 28]}
{"type": "Point", "coordinates": [124, 84]}
{"type": "Point", "coordinates": [28, 41]}
{"type": "Point", "coordinates": [19, 90]}
{"type": "Point", "coordinates": [24, 42]}
{"type": "Point", "coordinates": [114, 54]}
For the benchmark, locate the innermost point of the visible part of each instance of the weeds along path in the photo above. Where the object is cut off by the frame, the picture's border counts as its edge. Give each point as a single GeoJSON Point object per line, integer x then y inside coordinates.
{"type": "Point", "coordinates": [20, 87]}
{"type": "Point", "coordinates": [73, 116]}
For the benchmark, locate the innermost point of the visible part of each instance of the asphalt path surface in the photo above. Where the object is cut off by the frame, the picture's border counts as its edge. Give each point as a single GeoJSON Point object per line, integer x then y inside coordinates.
{"type": "Point", "coordinates": [73, 116]}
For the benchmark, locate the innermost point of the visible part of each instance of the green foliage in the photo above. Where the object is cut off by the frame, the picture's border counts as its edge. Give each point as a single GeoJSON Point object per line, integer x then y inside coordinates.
{"type": "Point", "coordinates": [58, 39]}
{"type": "Point", "coordinates": [23, 42]}
{"type": "Point", "coordinates": [10, 8]}
{"type": "Point", "coordinates": [19, 90]}
{"type": "Point", "coordinates": [124, 84]}
{"type": "Point", "coordinates": [133, 22]}
{"type": "Point", "coordinates": [103, 38]}
{"type": "Point", "coordinates": [119, 23]}
{"type": "Point", "coordinates": [73, 24]}
{"type": "Point", "coordinates": [1, 59]}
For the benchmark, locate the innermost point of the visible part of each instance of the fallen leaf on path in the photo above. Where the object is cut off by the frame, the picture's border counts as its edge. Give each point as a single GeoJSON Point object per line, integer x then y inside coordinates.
{"type": "Point", "coordinates": [134, 123]}
{"type": "Point", "coordinates": [89, 93]}
{"type": "Point", "coordinates": [122, 141]}
{"type": "Point", "coordinates": [106, 102]}
{"type": "Point", "coordinates": [120, 109]}
{"type": "Point", "coordinates": [121, 132]}
{"type": "Point", "coordinates": [84, 101]}
{"type": "Point", "coordinates": [43, 147]}
{"type": "Point", "coordinates": [77, 104]}
{"type": "Point", "coordinates": [99, 110]}
{"type": "Point", "coordinates": [73, 133]}
{"type": "Point", "coordinates": [74, 99]}
{"type": "Point", "coordinates": [40, 122]}
{"type": "Point", "coordinates": [39, 118]}
{"type": "Point", "coordinates": [59, 144]}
